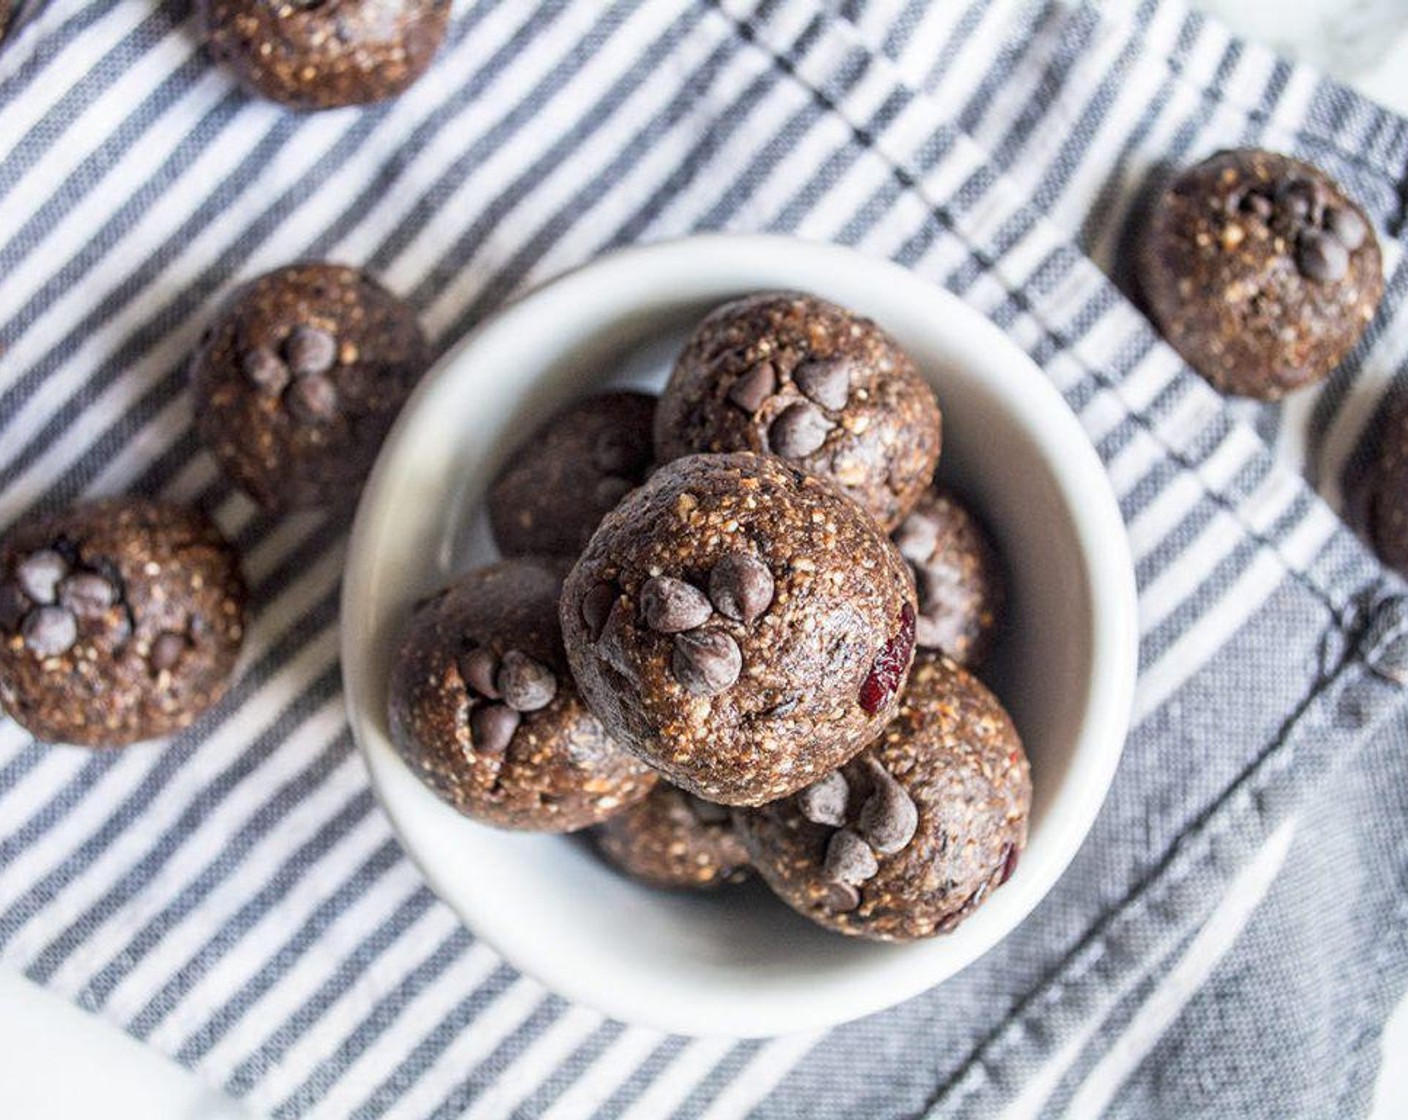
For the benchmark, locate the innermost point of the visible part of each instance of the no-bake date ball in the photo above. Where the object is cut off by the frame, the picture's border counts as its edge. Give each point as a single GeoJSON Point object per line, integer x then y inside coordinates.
{"type": "Point", "coordinates": [742, 626]}
{"type": "Point", "coordinates": [673, 839]}
{"type": "Point", "coordinates": [483, 709]}
{"type": "Point", "coordinates": [1259, 271]}
{"type": "Point", "coordinates": [120, 620]}
{"type": "Point", "coordinates": [796, 376]}
{"type": "Point", "coordinates": [299, 379]}
{"type": "Point", "coordinates": [911, 837]}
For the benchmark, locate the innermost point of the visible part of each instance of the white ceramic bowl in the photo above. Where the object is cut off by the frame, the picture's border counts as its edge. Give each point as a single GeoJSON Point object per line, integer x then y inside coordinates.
{"type": "Point", "coordinates": [737, 962]}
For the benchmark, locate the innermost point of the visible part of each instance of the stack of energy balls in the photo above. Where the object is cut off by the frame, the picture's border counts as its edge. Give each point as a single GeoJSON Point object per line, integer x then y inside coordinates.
{"type": "Point", "coordinates": [735, 631]}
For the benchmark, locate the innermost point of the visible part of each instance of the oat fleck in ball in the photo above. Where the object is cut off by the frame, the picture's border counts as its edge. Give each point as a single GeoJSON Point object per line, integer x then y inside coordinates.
{"type": "Point", "coordinates": [120, 620]}
{"type": "Point", "coordinates": [912, 836]}
{"type": "Point", "coordinates": [796, 376]}
{"type": "Point", "coordinates": [299, 379]}
{"type": "Point", "coordinates": [740, 625]}
{"type": "Point", "coordinates": [1259, 271]}
{"type": "Point", "coordinates": [484, 710]}
{"type": "Point", "coordinates": [673, 839]}
{"type": "Point", "coordinates": [563, 479]}
{"type": "Point", "coordinates": [322, 54]}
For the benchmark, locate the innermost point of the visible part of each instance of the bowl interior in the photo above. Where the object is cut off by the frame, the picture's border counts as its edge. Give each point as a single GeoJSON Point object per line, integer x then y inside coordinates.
{"type": "Point", "coordinates": [737, 962]}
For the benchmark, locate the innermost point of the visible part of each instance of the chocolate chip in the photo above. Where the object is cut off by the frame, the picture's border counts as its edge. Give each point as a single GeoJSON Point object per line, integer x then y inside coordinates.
{"type": "Point", "coordinates": [526, 684]}
{"type": "Point", "coordinates": [1300, 199]}
{"type": "Point", "coordinates": [825, 800]}
{"type": "Point", "coordinates": [741, 587]}
{"type": "Point", "coordinates": [889, 816]}
{"type": "Point", "coordinates": [826, 381]}
{"type": "Point", "coordinates": [840, 898]}
{"type": "Point", "coordinates": [751, 389]}
{"type": "Point", "coordinates": [49, 631]}
{"type": "Point", "coordinates": [264, 370]}
{"type": "Point", "coordinates": [491, 727]}
{"type": "Point", "coordinates": [671, 605]}
{"type": "Point", "coordinates": [706, 661]}
{"type": "Point", "coordinates": [611, 489]}
{"type": "Point", "coordinates": [477, 669]}
{"type": "Point", "coordinates": [706, 812]}
{"type": "Point", "coordinates": [799, 430]}
{"type": "Point", "coordinates": [309, 351]}
{"type": "Point", "coordinates": [87, 594]}
{"type": "Point", "coordinates": [917, 537]}
{"type": "Point", "coordinates": [1321, 258]}
{"type": "Point", "coordinates": [596, 606]}
{"type": "Point", "coordinates": [312, 399]}
{"type": "Point", "coordinates": [849, 859]}
{"type": "Point", "coordinates": [39, 574]}
{"type": "Point", "coordinates": [1346, 227]}
{"type": "Point", "coordinates": [167, 650]}
{"type": "Point", "coordinates": [1256, 204]}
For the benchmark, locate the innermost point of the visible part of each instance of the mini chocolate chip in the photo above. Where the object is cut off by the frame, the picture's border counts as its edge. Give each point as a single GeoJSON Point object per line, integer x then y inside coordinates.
{"type": "Point", "coordinates": [526, 684]}
{"type": "Point", "coordinates": [1257, 204]}
{"type": "Point", "coordinates": [49, 631]}
{"type": "Point", "coordinates": [611, 489]}
{"type": "Point", "coordinates": [751, 389]}
{"type": "Point", "coordinates": [39, 574]}
{"type": "Point", "coordinates": [491, 727]}
{"type": "Point", "coordinates": [167, 650]}
{"type": "Point", "coordinates": [310, 350]}
{"type": "Point", "coordinates": [670, 605]}
{"type": "Point", "coordinates": [849, 859]}
{"type": "Point", "coordinates": [825, 800]}
{"type": "Point", "coordinates": [1346, 227]}
{"type": "Point", "coordinates": [799, 430]}
{"type": "Point", "coordinates": [264, 370]}
{"type": "Point", "coordinates": [889, 816]}
{"type": "Point", "coordinates": [706, 811]}
{"type": "Point", "coordinates": [741, 587]}
{"type": "Point", "coordinates": [87, 594]}
{"type": "Point", "coordinates": [615, 452]}
{"type": "Point", "coordinates": [313, 399]}
{"type": "Point", "coordinates": [596, 606]}
{"type": "Point", "coordinates": [825, 380]}
{"type": "Point", "coordinates": [477, 670]}
{"type": "Point", "coordinates": [1321, 258]}
{"type": "Point", "coordinates": [916, 538]}
{"type": "Point", "coordinates": [840, 898]}
{"type": "Point", "coordinates": [1301, 200]}
{"type": "Point", "coordinates": [706, 661]}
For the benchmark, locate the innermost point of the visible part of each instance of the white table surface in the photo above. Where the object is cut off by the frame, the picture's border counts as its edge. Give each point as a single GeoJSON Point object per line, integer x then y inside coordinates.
{"type": "Point", "coordinates": [57, 1063]}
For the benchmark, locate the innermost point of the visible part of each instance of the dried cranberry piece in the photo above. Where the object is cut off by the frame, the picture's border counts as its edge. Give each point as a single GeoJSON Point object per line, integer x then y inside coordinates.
{"type": "Point", "coordinates": [890, 663]}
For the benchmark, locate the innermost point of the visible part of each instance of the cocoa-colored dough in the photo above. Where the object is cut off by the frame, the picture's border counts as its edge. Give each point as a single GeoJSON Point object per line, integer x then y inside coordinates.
{"type": "Point", "coordinates": [563, 479]}
{"type": "Point", "coordinates": [918, 830]}
{"type": "Point", "coordinates": [299, 379]}
{"type": "Point", "coordinates": [120, 620]}
{"type": "Point", "coordinates": [322, 54]}
{"type": "Point", "coordinates": [673, 839]}
{"type": "Point", "coordinates": [483, 708]}
{"type": "Point", "coordinates": [740, 625]}
{"type": "Point", "coordinates": [1259, 271]}
{"type": "Point", "coordinates": [802, 378]}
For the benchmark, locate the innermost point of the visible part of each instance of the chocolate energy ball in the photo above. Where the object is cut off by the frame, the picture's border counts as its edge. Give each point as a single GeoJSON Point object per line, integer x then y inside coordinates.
{"type": "Point", "coordinates": [322, 54]}
{"type": "Point", "coordinates": [120, 620]}
{"type": "Point", "coordinates": [1386, 492]}
{"type": "Point", "coordinates": [911, 837]}
{"type": "Point", "coordinates": [673, 839]}
{"type": "Point", "coordinates": [1259, 271]}
{"type": "Point", "coordinates": [299, 379]}
{"type": "Point", "coordinates": [483, 708]}
{"type": "Point", "coordinates": [740, 625]}
{"type": "Point", "coordinates": [802, 378]}
{"type": "Point", "coordinates": [562, 480]}
{"type": "Point", "coordinates": [957, 574]}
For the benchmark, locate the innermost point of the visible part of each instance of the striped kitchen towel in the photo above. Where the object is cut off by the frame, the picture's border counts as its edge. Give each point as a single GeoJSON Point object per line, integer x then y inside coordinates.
{"type": "Point", "coordinates": [1232, 936]}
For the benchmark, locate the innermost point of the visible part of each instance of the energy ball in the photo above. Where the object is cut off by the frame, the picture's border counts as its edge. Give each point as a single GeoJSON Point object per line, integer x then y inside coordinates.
{"type": "Point", "coordinates": [673, 839]}
{"type": "Point", "coordinates": [796, 376]}
{"type": "Point", "coordinates": [483, 709]}
{"type": "Point", "coordinates": [565, 477]}
{"type": "Point", "coordinates": [322, 54]}
{"type": "Point", "coordinates": [1387, 492]}
{"type": "Point", "coordinates": [299, 379]}
{"type": "Point", "coordinates": [1259, 271]}
{"type": "Point", "coordinates": [910, 838]}
{"type": "Point", "coordinates": [957, 575]}
{"type": "Point", "coordinates": [741, 625]}
{"type": "Point", "coordinates": [120, 620]}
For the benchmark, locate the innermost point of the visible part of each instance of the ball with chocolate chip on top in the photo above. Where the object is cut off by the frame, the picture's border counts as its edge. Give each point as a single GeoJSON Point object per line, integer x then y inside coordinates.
{"type": "Point", "coordinates": [673, 839]}
{"type": "Point", "coordinates": [120, 620]}
{"type": "Point", "coordinates": [483, 708]}
{"type": "Point", "coordinates": [742, 626]}
{"type": "Point", "coordinates": [1259, 270]}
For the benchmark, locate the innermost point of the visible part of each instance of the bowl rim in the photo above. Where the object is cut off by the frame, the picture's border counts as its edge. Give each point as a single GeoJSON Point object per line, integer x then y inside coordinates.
{"type": "Point", "coordinates": [1090, 506]}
